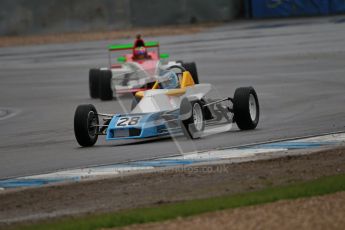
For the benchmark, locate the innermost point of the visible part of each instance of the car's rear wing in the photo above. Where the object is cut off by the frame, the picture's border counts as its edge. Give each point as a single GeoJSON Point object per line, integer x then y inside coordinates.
{"type": "Point", "coordinates": [130, 46]}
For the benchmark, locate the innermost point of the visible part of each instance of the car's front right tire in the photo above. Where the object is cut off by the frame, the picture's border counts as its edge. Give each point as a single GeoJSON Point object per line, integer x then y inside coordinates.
{"type": "Point", "coordinates": [246, 108]}
{"type": "Point", "coordinates": [86, 125]}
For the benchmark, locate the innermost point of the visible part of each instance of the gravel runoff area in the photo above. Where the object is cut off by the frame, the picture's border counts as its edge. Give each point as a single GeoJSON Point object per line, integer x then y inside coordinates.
{"type": "Point", "coordinates": [6, 41]}
{"type": "Point", "coordinates": [119, 193]}
{"type": "Point", "coordinates": [321, 212]}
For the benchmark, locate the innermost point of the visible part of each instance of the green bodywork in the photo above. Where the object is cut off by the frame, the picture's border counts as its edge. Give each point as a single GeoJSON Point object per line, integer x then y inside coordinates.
{"type": "Point", "coordinates": [121, 59]}
{"type": "Point", "coordinates": [131, 46]}
{"type": "Point", "coordinates": [164, 56]}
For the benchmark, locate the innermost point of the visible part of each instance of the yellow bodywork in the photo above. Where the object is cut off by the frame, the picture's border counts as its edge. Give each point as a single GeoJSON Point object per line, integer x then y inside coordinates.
{"type": "Point", "coordinates": [139, 94]}
{"type": "Point", "coordinates": [185, 82]}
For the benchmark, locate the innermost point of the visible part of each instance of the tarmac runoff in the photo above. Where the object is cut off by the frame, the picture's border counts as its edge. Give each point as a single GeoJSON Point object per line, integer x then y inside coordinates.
{"type": "Point", "coordinates": [252, 152]}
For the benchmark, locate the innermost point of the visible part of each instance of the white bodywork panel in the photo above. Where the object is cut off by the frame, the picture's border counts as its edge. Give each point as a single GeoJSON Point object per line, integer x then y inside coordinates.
{"type": "Point", "coordinates": [139, 76]}
{"type": "Point", "coordinates": [156, 100]}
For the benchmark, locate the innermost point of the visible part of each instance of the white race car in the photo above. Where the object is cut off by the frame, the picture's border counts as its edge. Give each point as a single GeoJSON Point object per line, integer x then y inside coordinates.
{"type": "Point", "coordinates": [131, 74]}
{"type": "Point", "coordinates": [174, 105]}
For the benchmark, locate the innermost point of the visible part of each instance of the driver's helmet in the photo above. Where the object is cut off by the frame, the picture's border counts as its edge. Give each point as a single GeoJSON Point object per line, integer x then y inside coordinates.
{"type": "Point", "coordinates": [140, 52]}
{"type": "Point", "coordinates": [168, 80]}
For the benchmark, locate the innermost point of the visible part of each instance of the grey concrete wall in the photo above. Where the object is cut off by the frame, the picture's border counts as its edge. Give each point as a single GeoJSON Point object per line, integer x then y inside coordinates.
{"type": "Point", "coordinates": [55, 16]}
{"type": "Point", "coordinates": [162, 12]}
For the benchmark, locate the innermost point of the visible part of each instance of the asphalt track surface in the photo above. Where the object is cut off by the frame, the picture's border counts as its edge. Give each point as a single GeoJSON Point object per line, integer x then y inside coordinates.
{"type": "Point", "coordinates": [296, 66]}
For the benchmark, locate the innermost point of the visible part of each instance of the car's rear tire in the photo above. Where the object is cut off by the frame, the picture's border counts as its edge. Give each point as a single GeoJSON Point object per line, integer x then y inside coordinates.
{"type": "Point", "coordinates": [105, 90]}
{"type": "Point", "coordinates": [94, 75]}
{"type": "Point", "coordinates": [192, 118]}
{"type": "Point", "coordinates": [86, 125]}
{"type": "Point", "coordinates": [246, 108]}
{"type": "Point", "coordinates": [191, 67]}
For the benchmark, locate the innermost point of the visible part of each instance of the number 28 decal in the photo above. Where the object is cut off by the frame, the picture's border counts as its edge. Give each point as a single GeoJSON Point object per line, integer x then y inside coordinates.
{"type": "Point", "coordinates": [124, 121]}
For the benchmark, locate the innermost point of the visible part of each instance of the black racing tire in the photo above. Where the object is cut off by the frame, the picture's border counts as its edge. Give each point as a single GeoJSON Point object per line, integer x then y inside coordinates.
{"type": "Point", "coordinates": [135, 101]}
{"type": "Point", "coordinates": [192, 118]}
{"type": "Point", "coordinates": [94, 75]}
{"type": "Point", "coordinates": [105, 90]}
{"type": "Point", "coordinates": [86, 125]}
{"type": "Point", "coordinates": [191, 67]}
{"type": "Point", "coordinates": [246, 108]}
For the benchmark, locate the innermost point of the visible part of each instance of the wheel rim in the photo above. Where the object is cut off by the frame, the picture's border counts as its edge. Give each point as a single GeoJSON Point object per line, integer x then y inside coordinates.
{"type": "Point", "coordinates": [92, 124]}
{"type": "Point", "coordinates": [197, 117]}
{"type": "Point", "coordinates": [252, 107]}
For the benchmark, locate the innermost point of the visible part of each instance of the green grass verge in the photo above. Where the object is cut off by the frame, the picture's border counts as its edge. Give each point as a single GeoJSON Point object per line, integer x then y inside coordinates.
{"type": "Point", "coordinates": [321, 186]}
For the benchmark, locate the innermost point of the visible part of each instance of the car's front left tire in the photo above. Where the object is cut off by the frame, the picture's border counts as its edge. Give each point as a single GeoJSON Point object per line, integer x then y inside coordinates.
{"type": "Point", "coordinates": [86, 125]}
{"type": "Point", "coordinates": [192, 118]}
{"type": "Point", "coordinates": [246, 108]}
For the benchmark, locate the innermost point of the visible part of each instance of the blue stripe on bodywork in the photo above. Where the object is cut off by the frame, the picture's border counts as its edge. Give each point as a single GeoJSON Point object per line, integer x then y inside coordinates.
{"type": "Point", "coordinates": [149, 125]}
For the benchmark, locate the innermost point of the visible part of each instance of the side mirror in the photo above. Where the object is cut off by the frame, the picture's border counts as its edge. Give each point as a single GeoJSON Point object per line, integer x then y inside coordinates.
{"type": "Point", "coordinates": [121, 59]}
{"type": "Point", "coordinates": [164, 56]}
